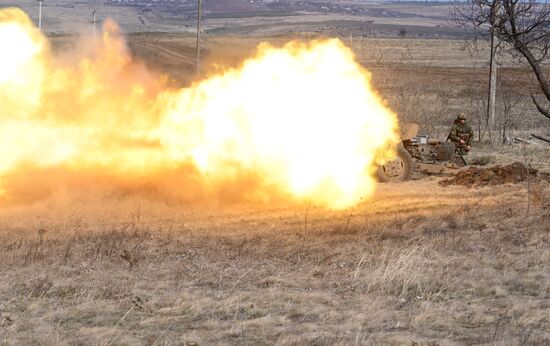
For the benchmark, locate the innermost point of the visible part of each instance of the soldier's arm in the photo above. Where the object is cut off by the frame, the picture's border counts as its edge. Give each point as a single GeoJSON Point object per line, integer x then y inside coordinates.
{"type": "Point", "coordinates": [470, 134]}
{"type": "Point", "coordinates": [453, 136]}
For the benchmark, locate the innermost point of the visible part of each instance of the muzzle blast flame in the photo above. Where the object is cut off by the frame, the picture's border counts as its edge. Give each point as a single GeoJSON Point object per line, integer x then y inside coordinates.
{"type": "Point", "coordinates": [301, 121]}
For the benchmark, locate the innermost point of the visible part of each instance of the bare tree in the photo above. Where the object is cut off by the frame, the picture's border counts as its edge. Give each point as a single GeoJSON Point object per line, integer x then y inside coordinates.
{"type": "Point", "coordinates": [511, 104]}
{"type": "Point", "coordinates": [477, 102]}
{"type": "Point", "coordinates": [524, 25]}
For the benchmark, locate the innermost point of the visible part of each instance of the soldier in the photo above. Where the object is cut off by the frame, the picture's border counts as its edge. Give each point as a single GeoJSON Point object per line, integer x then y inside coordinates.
{"type": "Point", "coordinates": [461, 134]}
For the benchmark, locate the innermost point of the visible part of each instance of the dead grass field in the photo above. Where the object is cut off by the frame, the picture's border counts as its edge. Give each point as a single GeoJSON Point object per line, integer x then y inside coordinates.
{"type": "Point", "coordinates": [418, 264]}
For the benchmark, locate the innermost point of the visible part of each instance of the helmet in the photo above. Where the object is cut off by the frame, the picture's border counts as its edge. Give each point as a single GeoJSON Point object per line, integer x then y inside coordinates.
{"type": "Point", "coordinates": [461, 116]}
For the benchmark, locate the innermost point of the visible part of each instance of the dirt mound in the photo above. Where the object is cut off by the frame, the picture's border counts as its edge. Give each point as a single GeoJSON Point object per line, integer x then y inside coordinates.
{"type": "Point", "coordinates": [496, 175]}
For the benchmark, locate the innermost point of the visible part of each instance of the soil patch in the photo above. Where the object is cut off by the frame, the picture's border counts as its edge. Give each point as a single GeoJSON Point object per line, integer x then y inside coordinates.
{"type": "Point", "coordinates": [496, 175]}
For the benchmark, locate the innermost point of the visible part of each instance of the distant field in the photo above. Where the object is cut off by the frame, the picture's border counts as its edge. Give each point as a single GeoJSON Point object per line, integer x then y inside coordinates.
{"type": "Point", "coordinates": [340, 19]}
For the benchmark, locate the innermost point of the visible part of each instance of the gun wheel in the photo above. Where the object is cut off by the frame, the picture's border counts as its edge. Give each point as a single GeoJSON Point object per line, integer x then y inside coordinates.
{"type": "Point", "coordinates": [398, 169]}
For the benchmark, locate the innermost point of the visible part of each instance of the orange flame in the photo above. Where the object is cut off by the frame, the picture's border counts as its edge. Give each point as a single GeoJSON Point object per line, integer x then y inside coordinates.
{"type": "Point", "coordinates": [302, 119]}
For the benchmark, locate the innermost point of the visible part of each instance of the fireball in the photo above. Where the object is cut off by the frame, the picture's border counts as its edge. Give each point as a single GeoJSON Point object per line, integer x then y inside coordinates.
{"type": "Point", "coordinates": [302, 119]}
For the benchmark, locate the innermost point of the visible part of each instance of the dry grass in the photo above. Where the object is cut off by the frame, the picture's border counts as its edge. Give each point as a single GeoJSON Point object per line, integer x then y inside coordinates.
{"type": "Point", "coordinates": [419, 263]}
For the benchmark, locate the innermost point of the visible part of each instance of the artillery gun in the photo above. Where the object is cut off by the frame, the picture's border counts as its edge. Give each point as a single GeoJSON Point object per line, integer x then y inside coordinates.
{"type": "Point", "coordinates": [422, 154]}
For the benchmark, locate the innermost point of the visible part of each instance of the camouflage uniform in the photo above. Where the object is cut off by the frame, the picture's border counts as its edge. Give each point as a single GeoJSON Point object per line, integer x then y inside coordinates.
{"type": "Point", "coordinates": [464, 132]}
